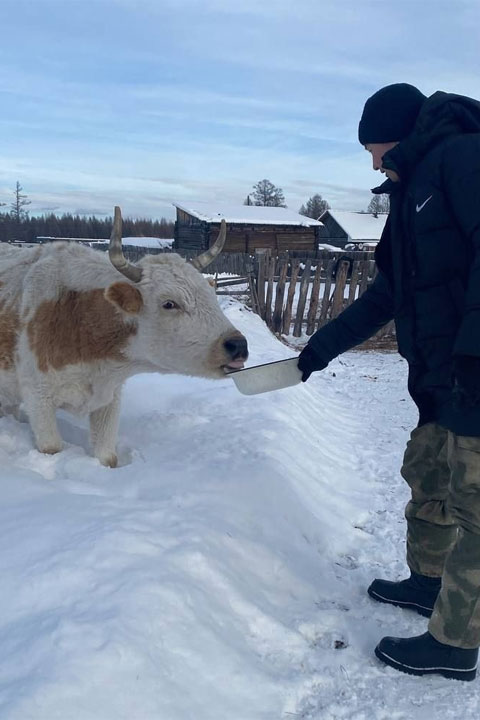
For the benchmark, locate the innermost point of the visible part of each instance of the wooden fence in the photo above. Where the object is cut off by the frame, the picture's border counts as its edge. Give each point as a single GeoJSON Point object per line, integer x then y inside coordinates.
{"type": "Point", "coordinates": [297, 297]}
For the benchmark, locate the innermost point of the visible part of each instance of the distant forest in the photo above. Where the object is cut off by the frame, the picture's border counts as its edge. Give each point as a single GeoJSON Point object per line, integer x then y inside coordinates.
{"type": "Point", "coordinates": [28, 228]}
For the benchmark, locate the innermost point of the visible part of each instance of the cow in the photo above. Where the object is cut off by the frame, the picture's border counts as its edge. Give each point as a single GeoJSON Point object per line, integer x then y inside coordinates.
{"type": "Point", "coordinates": [75, 323]}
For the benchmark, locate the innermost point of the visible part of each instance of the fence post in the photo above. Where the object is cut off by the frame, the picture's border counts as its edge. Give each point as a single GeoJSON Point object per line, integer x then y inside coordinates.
{"type": "Point", "coordinates": [277, 313]}
{"type": "Point", "coordinates": [353, 282]}
{"type": "Point", "coordinates": [261, 259]}
{"type": "Point", "coordinates": [253, 294]}
{"type": "Point", "coordinates": [312, 311]}
{"type": "Point", "coordinates": [268, 301]}
{"type": "Point", "coordinates": [339, 292]}
{"type": "Point", "coordinates": [297, 328]}
{"type": "Point", "coordinates": [287, 316]}
{"type": "Point", "coordinates": [365, 265]}
{"type": "Point", "coordinates": [326, 293]}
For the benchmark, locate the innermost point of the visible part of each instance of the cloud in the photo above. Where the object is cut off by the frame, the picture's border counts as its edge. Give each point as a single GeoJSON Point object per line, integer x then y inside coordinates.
{"type": "Point", "coordinates": [141, 102]}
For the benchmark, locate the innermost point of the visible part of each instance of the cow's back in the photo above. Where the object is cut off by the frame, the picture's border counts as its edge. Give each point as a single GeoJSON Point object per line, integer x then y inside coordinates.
{"type": "Point", "coordinates": [36, 275]}
{"type": "Point", "coordinates": [61, 267]}
{"type": "Point", "coordinates": [15, 263]}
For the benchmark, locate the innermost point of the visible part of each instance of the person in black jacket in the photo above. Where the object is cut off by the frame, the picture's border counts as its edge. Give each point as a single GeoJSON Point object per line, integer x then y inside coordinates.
{"type": "Point", "coordinates": [428, 281]}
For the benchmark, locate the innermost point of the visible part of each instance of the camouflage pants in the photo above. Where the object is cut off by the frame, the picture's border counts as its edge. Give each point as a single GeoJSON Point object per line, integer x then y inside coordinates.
{"type": "Point", "coordinates": [443, 527]}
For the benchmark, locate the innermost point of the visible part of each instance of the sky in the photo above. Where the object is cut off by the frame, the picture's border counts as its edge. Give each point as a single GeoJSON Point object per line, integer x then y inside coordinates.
{"type": "Point", "coordinates": [143, 103]}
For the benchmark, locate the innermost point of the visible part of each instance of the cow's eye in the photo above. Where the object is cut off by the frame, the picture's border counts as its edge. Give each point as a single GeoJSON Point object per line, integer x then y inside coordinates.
{"type": "Point", "coordinates": [170, 305]}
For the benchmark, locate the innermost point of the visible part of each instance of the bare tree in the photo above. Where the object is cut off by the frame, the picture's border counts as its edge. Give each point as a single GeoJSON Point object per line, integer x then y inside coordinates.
{"type": "Point", "coordinates": [379, 204]}
{"type": "Point", "coordinates": [17, 208]}
{"type": "Point", "coordinates": [265, 193]}
{"type": "Point", "coordinates": [315, 207]}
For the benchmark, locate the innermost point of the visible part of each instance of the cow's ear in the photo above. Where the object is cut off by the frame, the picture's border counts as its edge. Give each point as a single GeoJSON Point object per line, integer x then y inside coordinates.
{"type": "Point", "coordinates": [124, 296]}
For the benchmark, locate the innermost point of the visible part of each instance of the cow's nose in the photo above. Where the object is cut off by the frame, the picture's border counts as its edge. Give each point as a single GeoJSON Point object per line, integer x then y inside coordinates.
{"type": "Point", "coordinates": [236, 347]}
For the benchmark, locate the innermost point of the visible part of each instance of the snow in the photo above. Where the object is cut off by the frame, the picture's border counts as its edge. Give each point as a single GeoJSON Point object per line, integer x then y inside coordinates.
{"type": "Point", "coordinates": [248, 214]}
{"type": "Point", "coordinates": [220, 572]}
{"type": "Point", "coordinates": [148, 242]}
{"type": "Point", "coordinates": [331, 248]}
{"type": "Point", "coordinates": [360, 226]}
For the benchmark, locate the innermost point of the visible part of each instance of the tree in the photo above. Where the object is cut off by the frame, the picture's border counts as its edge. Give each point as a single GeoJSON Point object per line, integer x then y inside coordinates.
{"type": "Point", "coordinates": [315, 207]}
{"type": "Point", "coordinates": [265, 193]}
{"type": "Point", "coordinates": [379, 204]}
{"type": "Point", "coordinates": [17, 208]}
{"type": "Point", "coordinates": [248, 200]}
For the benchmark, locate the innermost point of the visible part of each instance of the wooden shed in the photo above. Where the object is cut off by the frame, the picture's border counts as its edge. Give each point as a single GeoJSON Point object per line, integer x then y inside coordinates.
{"type": "Point", "coordinates": [250, 228]}
{"type": "Point", "coordinates": [340, 228]}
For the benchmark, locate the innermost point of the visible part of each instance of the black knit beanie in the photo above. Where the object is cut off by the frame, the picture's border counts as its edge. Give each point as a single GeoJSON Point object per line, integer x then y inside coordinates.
{"type": "Point", "coordinates": [390, 114]}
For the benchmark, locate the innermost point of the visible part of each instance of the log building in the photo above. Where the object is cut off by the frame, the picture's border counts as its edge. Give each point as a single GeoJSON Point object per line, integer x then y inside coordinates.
{"type": "Point", "coordinates": [250, 229]}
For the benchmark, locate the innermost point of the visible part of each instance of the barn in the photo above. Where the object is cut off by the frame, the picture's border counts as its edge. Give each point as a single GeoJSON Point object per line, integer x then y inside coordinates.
{"type": "Point", "coordinates": [339, 228]}
{"type": "Point", "coordinates": [250, 229]}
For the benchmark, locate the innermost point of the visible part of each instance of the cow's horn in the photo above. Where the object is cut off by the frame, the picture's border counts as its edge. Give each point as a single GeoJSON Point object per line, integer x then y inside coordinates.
{"type": "Point", "coordinates": [201, 261]}
{"type": "Point", "coordinates": [118, 259]}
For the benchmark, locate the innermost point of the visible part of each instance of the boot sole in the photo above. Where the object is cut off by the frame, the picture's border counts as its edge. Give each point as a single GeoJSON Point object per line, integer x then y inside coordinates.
{"type": "Point", "coordinates": [420, 609]}
{"type": "Point", "coordinates": [450, 673]}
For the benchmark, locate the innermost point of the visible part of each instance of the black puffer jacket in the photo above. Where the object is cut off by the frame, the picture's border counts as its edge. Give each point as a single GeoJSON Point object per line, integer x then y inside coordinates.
{"type": "Point", "coordinates": [428, 260]}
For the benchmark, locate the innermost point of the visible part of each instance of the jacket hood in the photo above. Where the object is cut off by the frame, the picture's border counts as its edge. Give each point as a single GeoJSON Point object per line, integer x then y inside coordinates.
{"type": "Point", "coordinates": [442, 115]}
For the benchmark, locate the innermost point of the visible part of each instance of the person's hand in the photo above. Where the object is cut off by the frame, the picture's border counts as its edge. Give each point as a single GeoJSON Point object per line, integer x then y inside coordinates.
{"type": "Point", "coordinates": [309, 361]}
{"type": "Point", "coordinates": [466, 369]}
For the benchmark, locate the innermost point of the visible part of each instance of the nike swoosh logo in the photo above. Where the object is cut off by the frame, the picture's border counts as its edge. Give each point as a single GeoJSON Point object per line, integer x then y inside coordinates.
{"type": "Point", "coordinates": [420, 207]}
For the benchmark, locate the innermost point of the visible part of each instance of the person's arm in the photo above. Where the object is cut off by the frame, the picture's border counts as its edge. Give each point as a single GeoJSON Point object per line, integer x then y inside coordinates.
{"type": "Point", "coordinates": [362, 319]}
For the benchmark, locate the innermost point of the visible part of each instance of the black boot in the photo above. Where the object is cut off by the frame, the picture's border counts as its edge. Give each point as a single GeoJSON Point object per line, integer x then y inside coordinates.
{"type": "Point", "coordinates": [423, 655]}
{"type": "Point", "coordinates": [418, 592]}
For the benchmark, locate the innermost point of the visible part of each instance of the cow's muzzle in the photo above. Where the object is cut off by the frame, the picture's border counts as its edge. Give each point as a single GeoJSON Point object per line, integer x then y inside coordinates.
{"type": "Point", "coordinates": [236, 349]}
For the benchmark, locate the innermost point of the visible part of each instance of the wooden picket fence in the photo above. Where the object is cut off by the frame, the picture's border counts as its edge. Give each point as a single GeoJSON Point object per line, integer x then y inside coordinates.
{"type": "Point", "coordinates": [298, 296]}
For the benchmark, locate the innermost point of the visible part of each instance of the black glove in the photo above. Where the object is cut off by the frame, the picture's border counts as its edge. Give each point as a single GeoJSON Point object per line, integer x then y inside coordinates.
{"type": "Point", "coordinates": [466, 369]}
{"type": "Point", "coordinates": [309, 361]}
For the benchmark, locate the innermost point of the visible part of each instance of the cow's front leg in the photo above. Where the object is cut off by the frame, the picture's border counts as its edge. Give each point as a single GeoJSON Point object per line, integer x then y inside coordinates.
{"type": "Point", "coordinates": [103, 431]}
{"type": "Point", "coordinates": [43, 421]}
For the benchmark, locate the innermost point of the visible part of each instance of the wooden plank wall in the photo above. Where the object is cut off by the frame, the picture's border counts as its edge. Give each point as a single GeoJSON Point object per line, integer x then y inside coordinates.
{"type": "Point", "coordinates": [243, 238]}
{"type": "Point", "coordinates": [248, 239]}
{"type": "Point", "coordinates": [191, 238]}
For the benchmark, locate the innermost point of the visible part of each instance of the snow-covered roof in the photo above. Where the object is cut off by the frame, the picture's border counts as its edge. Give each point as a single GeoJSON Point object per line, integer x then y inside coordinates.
{"type": "Point", "coordinates": [247, 214]}
{"type": "Point", "coordinates": [360, 226]}
{"type": "Point", "coordinates": [148, 242]}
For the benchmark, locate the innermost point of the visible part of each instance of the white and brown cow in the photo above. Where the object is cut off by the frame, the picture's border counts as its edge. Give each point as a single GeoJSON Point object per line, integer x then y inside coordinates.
{"type": "Point", "coordinates": [72, 330]}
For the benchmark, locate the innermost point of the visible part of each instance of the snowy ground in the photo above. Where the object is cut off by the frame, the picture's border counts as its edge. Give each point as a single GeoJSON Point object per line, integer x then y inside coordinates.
{"type": "Point", "coordinates": [220, 573]}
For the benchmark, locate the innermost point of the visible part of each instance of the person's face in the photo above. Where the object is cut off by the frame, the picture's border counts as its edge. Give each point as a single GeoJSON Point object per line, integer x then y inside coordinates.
{"type": "Point", "coordinates": [377, 151]}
